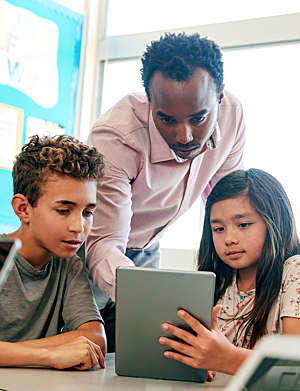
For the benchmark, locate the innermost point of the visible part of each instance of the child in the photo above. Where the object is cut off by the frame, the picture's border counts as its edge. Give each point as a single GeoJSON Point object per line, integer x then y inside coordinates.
{"type": "Point", "coordinates": [48, 316]}
{"type": "Point", "coordinates": [249, 240]}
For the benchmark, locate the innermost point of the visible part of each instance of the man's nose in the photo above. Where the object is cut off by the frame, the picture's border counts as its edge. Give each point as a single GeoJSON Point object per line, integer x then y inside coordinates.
{"type": "Point", "coordinates": [184, 134]}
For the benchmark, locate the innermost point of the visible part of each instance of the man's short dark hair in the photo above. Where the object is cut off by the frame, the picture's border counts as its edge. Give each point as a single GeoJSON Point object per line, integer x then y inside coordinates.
{"type": "Point", "coordinates": [178, 56]}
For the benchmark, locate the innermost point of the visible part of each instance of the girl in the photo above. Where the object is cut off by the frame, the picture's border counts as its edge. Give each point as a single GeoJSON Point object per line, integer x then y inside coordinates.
{"type": "Point", "coordinates": [250, 242]}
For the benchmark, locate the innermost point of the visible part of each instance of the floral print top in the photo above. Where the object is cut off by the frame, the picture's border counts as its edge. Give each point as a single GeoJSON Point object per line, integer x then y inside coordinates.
{"type": "Point", "coordinates": [237, 303]}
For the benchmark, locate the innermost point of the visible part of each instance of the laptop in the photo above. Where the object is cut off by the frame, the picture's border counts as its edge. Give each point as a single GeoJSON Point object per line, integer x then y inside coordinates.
{"type": "Point", "coordinates": [145, 298]}
{"type": "Point", "coordinates": [8, 250]}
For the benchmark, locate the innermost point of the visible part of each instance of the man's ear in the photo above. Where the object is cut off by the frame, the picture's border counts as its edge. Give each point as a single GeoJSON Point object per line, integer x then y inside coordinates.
{"type": "Point", "coordinates": [221, 96]}
{"type": "Point", "coordinates": [21, 207]}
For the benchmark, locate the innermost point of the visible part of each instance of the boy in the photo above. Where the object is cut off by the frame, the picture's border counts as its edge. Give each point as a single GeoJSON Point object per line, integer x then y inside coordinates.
{"type": "Point", "coordinates": [48, 316]}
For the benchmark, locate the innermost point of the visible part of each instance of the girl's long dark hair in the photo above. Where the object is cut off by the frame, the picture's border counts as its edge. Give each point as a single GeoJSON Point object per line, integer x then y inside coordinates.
{"type": "Point", "coordinates": [271, 202]}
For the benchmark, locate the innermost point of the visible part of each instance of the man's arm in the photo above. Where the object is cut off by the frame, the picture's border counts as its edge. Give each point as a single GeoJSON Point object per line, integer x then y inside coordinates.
{"type": "Point", "coordinates": [107, 241]}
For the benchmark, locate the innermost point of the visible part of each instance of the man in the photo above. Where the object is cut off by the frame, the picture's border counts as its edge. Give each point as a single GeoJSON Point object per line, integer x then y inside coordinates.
{"type": "Point", "coordinates": [161, 152]}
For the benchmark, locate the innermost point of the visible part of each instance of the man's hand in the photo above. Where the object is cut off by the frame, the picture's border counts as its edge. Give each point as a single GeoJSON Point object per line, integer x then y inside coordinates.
{"type": "Point", "coordinates": [208, 349]}
{"type": "Point", "coordinates": [81, 354]}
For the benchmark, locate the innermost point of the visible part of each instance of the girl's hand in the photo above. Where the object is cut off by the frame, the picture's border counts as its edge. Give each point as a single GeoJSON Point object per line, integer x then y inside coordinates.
{"type": "Point", "coordinates": [211, 375]}
{"type": "Point", "coordinates": [208, 349]}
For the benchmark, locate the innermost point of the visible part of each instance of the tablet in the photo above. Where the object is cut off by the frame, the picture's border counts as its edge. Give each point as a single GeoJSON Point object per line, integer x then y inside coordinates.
{"type": "Point", "coordinates": [8, 251]}
{"type": "Point", "coordinates": [145, 298]}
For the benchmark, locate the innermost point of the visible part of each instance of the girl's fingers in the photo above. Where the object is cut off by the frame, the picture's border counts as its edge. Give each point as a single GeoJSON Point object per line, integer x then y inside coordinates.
{"type": "Point", "coordinates": [216, 310]}
{"type": "Point", "coordinates": [184, 359]}
{"type": "Point", "coordinates": [179, 333]}
{"type": "Point", "coordinates": [211, 375]}
{"type": "Point", "coordinates": [183, 348]}
{"type": "Point", "coordinates": [192, 322]}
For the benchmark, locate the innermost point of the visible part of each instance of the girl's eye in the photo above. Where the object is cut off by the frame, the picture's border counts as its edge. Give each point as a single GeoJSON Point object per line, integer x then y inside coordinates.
{"type": "Point", "coordinates": [245, 225]}
{"type": "Point", "coordinates": [218, 229]}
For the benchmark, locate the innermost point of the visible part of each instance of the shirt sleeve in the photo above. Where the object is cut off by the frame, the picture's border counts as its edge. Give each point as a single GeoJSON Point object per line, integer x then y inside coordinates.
{"type": "Point", "coordinates": [290, 289]}
{"type": "Point", "coordinates": [106, 244]}
{"type": "Point", "coordinates": [79, 305]}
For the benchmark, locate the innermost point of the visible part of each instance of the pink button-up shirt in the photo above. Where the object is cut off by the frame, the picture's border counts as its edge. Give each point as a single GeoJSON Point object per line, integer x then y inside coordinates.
{"type": "Point", "coordinates": [146, 187]}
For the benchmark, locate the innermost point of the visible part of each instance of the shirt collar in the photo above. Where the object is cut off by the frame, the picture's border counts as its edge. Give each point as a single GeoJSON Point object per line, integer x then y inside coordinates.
{"type": "Point", "coordinates": [160, 151]}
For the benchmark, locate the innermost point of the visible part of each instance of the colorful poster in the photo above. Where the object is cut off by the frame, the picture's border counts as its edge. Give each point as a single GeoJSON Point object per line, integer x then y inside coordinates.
{"type": "Point", "coordinates": [28, 54]}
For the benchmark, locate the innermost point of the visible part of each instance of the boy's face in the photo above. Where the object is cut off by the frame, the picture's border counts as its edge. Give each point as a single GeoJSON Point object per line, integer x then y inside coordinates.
{"type": "Point", "coordinates": [61, 219]}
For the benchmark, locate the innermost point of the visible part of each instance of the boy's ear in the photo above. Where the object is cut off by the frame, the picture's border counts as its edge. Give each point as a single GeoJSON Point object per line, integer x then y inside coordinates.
{"type": "Point", "coordinates": [21, 207]}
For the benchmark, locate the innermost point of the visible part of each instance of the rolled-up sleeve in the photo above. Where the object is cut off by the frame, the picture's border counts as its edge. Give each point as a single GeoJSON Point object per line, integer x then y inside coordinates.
{"type": "Point", "coordinates": [106, 244]}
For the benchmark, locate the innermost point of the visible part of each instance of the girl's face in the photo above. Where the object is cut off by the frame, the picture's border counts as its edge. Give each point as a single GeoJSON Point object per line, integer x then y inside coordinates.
{"type": "Point", "coordinates": [238, 232]}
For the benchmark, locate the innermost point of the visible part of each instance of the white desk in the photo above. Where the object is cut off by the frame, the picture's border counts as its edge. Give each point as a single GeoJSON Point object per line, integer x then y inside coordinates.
{"type": "Point", "coordinates": [37, 379]}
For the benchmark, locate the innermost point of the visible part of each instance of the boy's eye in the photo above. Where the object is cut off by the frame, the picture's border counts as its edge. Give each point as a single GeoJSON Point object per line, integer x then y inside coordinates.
{"type": "Point", "coordinates": [88, 213]}
{"type": "Point", "coordinates": [62, 211]}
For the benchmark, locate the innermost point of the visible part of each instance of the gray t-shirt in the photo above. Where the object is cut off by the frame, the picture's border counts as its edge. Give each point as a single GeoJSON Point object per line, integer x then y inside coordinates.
{"type": "Point", "coordinates": [41, 303]}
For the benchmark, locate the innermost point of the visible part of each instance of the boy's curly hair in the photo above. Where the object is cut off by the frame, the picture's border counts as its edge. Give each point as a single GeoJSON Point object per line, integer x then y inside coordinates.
{"type": "Point", "coordinates": [63, 155]}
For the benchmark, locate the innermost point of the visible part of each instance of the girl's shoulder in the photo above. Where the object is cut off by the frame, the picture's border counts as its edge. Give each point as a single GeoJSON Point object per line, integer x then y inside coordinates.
{"type": "Point", "coordinates": [291, 270]}
{"type": "Point", "coordinates": [292, 262]}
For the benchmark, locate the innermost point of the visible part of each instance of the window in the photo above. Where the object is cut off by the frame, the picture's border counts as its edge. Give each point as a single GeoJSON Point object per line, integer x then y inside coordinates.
{"type": "Point", "coordinates": [137, 16]}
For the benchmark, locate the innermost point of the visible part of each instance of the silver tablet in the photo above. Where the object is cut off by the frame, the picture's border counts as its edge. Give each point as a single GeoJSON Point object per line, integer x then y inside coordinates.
{"type": "Point", "coordinates": [8, 251]}
{"type": "Point", "coordinates": [145, 298]}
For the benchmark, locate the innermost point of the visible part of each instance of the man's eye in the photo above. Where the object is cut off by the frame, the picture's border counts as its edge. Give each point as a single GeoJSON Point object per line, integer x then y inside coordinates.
{"type": "Point", "coordinates": [197, 120]}
{"type": "Point", "coordinates": [167, 121]}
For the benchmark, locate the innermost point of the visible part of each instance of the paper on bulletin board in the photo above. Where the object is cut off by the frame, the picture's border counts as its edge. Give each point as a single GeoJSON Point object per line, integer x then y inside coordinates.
{"type": "Point", "coordinates": [11, 126]}
{"type": "Point", "coordinates": [42, 128]}
{"type": "Point", "coordinates": [28, 54]}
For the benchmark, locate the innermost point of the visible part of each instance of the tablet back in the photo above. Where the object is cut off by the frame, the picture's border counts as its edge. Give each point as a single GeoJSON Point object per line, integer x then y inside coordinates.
{"type": "Point", "coordinates": [145, 299]}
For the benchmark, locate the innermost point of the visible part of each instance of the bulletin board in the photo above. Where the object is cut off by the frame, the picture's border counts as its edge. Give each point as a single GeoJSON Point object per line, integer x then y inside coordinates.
{"type": "Point", "coordinates": [40, 43]}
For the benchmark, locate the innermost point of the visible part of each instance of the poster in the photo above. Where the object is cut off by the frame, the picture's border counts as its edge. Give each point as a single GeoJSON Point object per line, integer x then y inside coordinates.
{"type": "Point", "coordinates": [28, 54]}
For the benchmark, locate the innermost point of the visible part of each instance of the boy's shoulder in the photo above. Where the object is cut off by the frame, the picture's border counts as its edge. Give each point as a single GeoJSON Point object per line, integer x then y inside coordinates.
{"type": "Point", "coordinates": [71, 263]}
